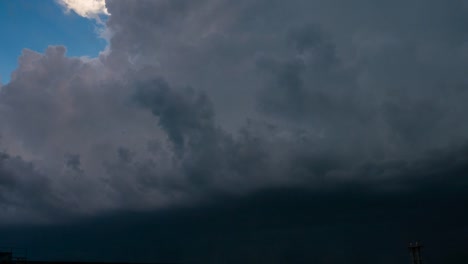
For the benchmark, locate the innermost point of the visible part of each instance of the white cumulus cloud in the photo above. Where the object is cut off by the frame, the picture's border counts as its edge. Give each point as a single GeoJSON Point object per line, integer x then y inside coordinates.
{"type": "Point", "coordinates": [85, 8]}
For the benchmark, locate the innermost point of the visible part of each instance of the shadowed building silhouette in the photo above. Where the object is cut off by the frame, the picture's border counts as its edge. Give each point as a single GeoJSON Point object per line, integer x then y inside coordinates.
{"type": "Point", "coordinates": [6, 257]}
{"type": "Point", "coordinates": [13, 255]}
{"type": "Point", "coordinates": [19, 256]}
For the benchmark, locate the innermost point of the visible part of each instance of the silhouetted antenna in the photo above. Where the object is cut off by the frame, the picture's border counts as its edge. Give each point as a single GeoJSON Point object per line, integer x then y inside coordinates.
{"type": "Point", "coordinates": [415, 251]}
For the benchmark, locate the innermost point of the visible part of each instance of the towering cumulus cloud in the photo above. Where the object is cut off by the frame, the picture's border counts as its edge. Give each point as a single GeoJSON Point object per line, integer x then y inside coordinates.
{"type": "Point", "coordinates": [200, 98]}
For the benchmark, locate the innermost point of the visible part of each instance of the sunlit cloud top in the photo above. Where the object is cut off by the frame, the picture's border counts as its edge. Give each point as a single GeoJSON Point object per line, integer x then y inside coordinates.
{"type": "Point", "coordinates": [85, 8]}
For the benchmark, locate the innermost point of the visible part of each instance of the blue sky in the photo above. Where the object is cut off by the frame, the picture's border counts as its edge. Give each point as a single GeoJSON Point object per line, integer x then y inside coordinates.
{"type": "Point", "coordinates": [36, 24]}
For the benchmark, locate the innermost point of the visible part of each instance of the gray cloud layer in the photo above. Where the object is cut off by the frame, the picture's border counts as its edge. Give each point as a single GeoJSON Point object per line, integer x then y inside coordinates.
{"type": "Point", "coordinates": [196, 98]}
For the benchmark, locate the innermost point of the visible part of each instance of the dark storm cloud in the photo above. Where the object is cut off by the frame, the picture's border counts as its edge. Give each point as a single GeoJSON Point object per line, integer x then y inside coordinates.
{"type": "Point", "coordinates": [310, 83]}
{"type": "Point", "coordinates": [374, 87]}
{"type": "Point", "coordinates": [26, 194]}
{"type": "Point", "coordinates": [68, 117]}
{"type": "Point", "coordinates": [185, 116]}
{"type": "Point", "coordinates": [349, 223]}
{"type": "Point", "coordinates": [194, 99]}
{"type": "Point", "coordinates": [74, 163]}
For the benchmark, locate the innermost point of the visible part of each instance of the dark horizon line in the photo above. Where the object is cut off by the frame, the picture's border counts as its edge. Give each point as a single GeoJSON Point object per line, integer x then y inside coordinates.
{"type": "Point", "coordinates": [86, 262]}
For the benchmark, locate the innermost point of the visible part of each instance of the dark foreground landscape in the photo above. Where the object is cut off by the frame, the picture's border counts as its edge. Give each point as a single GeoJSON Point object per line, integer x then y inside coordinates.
{"type": "Point", "coordinates": [282, 226]}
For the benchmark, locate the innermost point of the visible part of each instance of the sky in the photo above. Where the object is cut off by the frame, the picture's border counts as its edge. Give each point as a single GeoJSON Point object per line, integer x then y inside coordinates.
{"type": "Point", "coordinates": [37, 24]}
{"type": "Point", "coordinates": [249, 131]}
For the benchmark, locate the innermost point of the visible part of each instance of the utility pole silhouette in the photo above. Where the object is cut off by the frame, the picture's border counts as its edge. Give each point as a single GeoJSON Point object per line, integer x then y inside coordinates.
{"type": "Point", "coordinates": [415, 251]}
